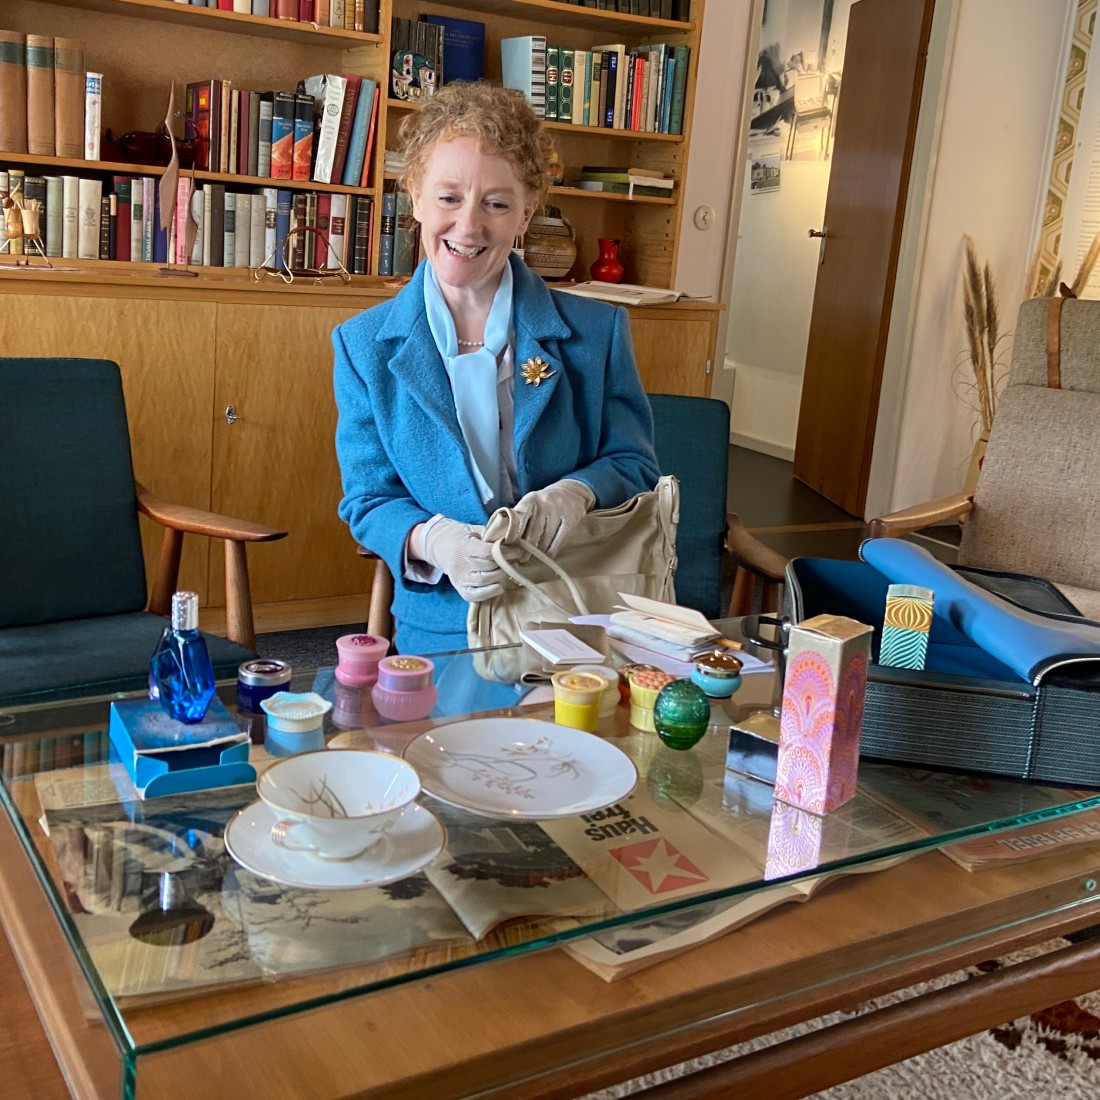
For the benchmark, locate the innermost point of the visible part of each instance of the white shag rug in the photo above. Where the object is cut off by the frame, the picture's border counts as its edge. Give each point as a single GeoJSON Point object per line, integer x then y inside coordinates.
{"type": "Point", "coordinates": [1051, 1055]}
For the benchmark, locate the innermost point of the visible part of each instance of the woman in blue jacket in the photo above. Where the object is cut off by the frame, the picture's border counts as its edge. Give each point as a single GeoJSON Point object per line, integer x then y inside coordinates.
{"type": "Point", "coordinates": [477, 387]}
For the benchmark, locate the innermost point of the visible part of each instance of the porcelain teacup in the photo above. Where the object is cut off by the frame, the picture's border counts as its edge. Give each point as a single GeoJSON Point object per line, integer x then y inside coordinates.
{"type": "Point", "coordinates": [336, 803]}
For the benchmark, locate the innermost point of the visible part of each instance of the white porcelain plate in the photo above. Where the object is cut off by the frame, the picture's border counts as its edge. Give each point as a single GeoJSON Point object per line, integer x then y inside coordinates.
{"type": "Point", "coordinates": [520, 768]}
{"type": "Point", "coordinates": [410, 845]}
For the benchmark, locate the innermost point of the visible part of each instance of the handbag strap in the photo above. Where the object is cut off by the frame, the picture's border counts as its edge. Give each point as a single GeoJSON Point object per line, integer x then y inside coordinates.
{"type": "Point", "coordinates": [511, 571]}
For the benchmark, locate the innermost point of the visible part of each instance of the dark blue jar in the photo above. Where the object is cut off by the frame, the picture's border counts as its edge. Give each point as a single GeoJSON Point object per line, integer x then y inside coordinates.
{"type": "Point", "coordinates": [259, 679]}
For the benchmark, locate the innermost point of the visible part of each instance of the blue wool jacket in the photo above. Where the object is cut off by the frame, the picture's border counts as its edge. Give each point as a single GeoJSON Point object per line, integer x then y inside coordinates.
{"type": "Point", "coordinates": [401, 453]}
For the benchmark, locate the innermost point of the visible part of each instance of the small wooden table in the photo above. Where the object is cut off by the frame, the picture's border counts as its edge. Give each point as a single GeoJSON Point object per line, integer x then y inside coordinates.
{"type": "Point", "coordinates": [537, 1025]}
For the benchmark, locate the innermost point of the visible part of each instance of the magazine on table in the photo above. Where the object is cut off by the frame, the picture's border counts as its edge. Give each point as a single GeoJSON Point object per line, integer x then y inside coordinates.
{"type": "Point", "coordinates": [744, 812]}
{"type": "Point", "coordinates": [948, 801]}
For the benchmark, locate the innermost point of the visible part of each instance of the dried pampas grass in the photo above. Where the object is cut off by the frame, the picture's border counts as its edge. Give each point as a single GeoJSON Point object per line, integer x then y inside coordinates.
{"type": "Point", "coordinates": [978, 387]}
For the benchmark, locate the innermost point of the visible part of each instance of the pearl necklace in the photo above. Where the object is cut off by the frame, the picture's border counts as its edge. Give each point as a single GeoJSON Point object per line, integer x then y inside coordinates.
{"type": "Point", "coordinates": [471, 343]}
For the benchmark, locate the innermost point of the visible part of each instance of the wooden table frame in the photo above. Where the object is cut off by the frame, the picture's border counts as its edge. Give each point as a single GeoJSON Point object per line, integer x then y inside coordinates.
{"type": "Point", "coordinates": [540, 1027]}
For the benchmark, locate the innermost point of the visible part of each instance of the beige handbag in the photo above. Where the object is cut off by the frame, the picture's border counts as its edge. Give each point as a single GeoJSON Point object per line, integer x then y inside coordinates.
{"type": "Point", "coordinates": [630, 548]}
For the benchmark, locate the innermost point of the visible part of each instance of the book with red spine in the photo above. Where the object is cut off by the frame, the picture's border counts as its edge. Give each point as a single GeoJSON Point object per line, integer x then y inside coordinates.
{"type": "Point", "coordinates": [122, 187]}
{"type": "Point", "coordinates": [637, 93]}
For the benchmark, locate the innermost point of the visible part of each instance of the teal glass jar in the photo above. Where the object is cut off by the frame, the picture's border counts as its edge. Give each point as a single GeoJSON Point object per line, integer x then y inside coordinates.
{"type": "Point", "coordinates": [681, 714]}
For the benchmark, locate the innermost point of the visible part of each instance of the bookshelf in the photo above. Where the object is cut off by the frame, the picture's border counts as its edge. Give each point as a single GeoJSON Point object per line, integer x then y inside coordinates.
{"type": "Point", "coordinates": [142, 45]}
{"type": "Point", "coordinates": [191, 341]}
{"type": "Point", "coordinates": [648, 228]}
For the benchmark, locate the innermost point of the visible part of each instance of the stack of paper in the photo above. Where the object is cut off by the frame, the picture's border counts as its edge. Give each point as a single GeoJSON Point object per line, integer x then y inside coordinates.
{"type": "Point", "coordinates": [627, 294]}
{"type": "Point", "coordinates": [665, 628]}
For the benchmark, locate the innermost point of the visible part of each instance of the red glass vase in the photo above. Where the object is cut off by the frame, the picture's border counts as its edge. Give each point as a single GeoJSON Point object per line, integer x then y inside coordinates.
{"type": "Point", "coordinates": [607, 268]}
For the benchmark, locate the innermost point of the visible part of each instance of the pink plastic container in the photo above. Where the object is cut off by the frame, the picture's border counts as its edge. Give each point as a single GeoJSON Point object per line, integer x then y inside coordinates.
{"type": "Point", "coordinates": [359, 657]}
{"type": "Point", "coordinates": [404, 691]}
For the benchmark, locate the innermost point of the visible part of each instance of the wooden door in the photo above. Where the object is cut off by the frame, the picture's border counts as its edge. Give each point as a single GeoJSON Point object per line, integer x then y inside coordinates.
{"type": "Point", "coordinates": [276, 464]}
{"type": "Point", "coordinates": [880, 95]}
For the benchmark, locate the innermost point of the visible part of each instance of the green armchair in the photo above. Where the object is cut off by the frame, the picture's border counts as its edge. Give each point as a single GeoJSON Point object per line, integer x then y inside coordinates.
{"type": "Point", "coordinates": [74, 619]}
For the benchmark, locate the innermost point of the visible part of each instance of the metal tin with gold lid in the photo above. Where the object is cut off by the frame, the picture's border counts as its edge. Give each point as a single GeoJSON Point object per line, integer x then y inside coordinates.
{"type": "Point", "coordinates": [717, 673]}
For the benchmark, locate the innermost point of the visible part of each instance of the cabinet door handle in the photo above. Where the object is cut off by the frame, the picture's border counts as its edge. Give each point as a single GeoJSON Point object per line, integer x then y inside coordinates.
{"type": "Point", "coordinates": [231, 414]}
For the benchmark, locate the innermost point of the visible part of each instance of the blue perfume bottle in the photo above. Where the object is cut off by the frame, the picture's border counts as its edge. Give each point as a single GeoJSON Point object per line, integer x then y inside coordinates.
{"type": "Point", "coordinates": [180, 672]}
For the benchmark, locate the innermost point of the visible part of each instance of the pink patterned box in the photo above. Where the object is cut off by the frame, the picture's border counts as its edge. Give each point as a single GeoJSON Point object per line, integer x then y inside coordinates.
{"type": "Point", "coordinates": [801, 841]}
{"type": "Point", "coordinates": [822, 712]}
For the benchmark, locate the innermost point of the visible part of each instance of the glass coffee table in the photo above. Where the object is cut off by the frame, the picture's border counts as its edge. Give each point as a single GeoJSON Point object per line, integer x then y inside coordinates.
{"type": "Point", "coordinates": [504, 950]}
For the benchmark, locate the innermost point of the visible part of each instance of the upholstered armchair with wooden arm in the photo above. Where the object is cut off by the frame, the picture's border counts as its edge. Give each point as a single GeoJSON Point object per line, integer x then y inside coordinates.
{"type": "Point", "coordinates": [73, 613]}
{"type": "Point", "coordinates": [1036, 507]}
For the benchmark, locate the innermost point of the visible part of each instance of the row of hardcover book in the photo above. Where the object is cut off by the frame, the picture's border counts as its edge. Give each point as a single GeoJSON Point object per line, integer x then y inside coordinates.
{"type": "Point", "coordinates": [42, 95]}
{"type": "Point", "coordinates": [217, 227]}
{"type": "Point", "coordinates": [323, 131]}
{"type": "Point", "coordinates": [640, 89]}
{"type": "Point", "coordinates": [350, 15]}
{"type": "Point", "coordinates": [119, 218]}
{"type": "Point", "coordinates": [86, 218]}
{"type": "Point", "coordinates": [654, 9]}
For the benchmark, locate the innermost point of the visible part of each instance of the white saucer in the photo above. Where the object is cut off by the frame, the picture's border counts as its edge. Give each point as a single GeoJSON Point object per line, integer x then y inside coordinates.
{"type": "Point", "coordinates": [520, 768]}
{"type": "Point", "coordinates": [411, 844]}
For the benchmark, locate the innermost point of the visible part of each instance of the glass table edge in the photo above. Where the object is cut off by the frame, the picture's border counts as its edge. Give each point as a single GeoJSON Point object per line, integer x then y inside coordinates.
{"type": "Point", "coordinates": [114, 1013]}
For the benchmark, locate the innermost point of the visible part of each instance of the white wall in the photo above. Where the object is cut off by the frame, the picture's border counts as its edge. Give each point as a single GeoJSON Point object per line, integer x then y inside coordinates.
{"type": "Point", "coordinates": [727, 41]}
{"type": "Point", "coordinates": [985, 173]}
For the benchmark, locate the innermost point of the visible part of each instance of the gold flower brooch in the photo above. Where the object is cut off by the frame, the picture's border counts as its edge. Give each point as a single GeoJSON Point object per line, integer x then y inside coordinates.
{"type": "Point", "coordinates": [535, 371]}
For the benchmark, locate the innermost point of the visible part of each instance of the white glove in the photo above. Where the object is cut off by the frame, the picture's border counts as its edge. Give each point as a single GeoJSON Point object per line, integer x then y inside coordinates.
{"type": "Point", "coordinates": [458, 550]}
{"type": "Point", "coordinates": [552, 513]}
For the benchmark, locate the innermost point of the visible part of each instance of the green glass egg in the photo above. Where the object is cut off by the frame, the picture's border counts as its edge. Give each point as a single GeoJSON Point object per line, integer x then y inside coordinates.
{"type": "Point", "coordinates": [681, 714]}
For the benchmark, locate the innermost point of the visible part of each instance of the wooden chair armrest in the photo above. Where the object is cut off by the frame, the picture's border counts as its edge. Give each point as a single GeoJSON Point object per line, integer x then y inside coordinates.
{"type": "Point", "coordinates": [196, 521]}
{"type": "Point", "coordinates": [379, 615]}
{"type": "Point", "coordinates": [750, 552]}
{"type": "Point", "coordinates": [177, 520]}
{"type": "Point", "coordinates": [954, 506]}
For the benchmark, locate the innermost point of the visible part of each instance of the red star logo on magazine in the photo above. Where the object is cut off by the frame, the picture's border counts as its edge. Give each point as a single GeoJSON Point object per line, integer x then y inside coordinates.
{"type": "Point", "coordinates": [659, 866]}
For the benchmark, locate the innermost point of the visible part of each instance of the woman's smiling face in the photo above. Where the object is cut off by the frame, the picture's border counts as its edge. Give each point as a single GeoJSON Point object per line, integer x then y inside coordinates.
{"type": "Point", "coordinates": [471, 207]}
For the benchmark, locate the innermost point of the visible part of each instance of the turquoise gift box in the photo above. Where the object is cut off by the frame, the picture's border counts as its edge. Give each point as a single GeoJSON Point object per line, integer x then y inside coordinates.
{"type": "Point", "coordinates": [165, 756]}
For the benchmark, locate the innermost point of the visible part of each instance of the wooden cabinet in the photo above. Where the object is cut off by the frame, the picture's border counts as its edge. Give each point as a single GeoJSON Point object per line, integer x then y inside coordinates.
{"type": "Point", "coordinates": [189, 353]}
{"type": "Point", "coordinates": [143, 46]}
{"type": "Point", "coordinates": [277, 461]}
{"type": "Point", "coordinates": [675, 347]}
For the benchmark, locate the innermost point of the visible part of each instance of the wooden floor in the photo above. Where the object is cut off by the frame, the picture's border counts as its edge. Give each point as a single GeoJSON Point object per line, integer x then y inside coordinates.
{"type": "Point", "coordinates": [786, 515]}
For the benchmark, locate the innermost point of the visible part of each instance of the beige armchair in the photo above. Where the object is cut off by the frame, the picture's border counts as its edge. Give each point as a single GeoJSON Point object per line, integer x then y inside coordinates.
{"type": "Point", "coordinates": [1036, 507]}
